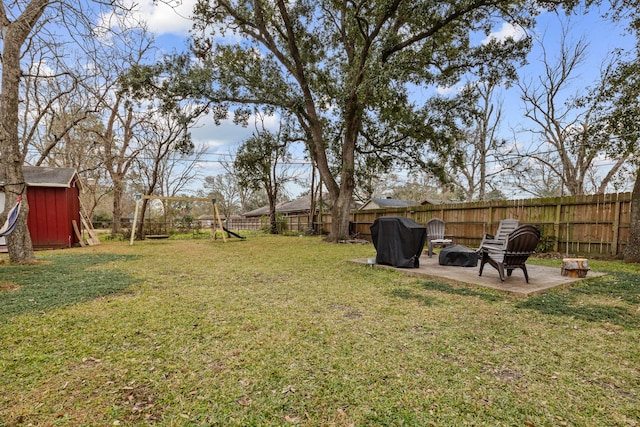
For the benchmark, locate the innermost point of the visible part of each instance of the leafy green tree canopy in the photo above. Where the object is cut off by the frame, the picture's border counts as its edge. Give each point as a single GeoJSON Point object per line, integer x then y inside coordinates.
{"type": "Point", "coordinates": [348, 72]}
{"type": "Point", "coordinates": [620, 115]}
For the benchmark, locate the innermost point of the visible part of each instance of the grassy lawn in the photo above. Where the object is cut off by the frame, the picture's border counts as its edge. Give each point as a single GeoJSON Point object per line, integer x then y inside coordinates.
{"type": "Point", "coordinates": [286, 331]}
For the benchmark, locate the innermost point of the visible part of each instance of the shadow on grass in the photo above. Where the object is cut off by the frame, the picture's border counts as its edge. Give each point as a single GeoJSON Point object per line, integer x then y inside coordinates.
{"type": "Point", "coordinates": [445, 288]}
{"type": "Point", "coordinates": [408, 294]}
{"type": "Point", "coordinates": [614, 298]}
{"type": "Point", "coordinates": [461, 290]}
{"type": "Point", "coordinates": [60, 281]}
{"type": "Point", "coordinates": [619, 293]}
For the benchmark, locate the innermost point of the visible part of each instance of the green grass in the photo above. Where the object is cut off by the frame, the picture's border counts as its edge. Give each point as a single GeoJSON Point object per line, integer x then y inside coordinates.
{"type": "Point", "coordinates": [59, 281]}
{"type": "Point", "coordinates": [287, 331]}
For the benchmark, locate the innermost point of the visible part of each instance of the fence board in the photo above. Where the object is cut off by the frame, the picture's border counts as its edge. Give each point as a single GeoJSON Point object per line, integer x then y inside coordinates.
{"type": "Point", "coordinates": [590, 224]}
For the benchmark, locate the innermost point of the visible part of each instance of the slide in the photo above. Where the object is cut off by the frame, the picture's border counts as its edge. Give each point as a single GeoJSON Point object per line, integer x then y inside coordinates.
{"type": "Point", "coordinates": [231, 233]}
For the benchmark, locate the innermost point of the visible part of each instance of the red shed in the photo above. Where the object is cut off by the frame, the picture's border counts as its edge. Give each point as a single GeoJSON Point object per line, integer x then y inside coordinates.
{"type": "Point", "coordinates": [54, 202]}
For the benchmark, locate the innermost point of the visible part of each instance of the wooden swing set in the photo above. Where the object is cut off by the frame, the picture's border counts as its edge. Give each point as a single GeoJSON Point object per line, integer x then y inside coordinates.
{"type": "Point", "coordinates": [217, 221]}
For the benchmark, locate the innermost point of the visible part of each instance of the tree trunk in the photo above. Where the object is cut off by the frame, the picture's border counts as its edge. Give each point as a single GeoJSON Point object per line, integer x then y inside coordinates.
{"type": "Point", "coordinates": [15, 34]}
{"type": "Point", "coordinates": [116, 227]}
{"type": "Point", "coordinates": [141, 221]}
{"type": "Point", "coordinates": [312, 201]}
{"type": "Point", "coordinates": [341, 215]}
{"type": "Point", "coordinates": [273, 219]}
{"type": "Point", "coordinates": [632, 250]}
{"type": "Point", "coordinates": [19, 242]}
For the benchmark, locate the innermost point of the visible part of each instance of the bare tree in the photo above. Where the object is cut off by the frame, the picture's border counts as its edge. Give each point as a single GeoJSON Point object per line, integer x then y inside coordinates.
{"type": "Point", "coordinates": [536, 178]}
{"type": "Point", "coordinates": [225, 190]}
{"type": "Point", "coordinates": [53, 102]}
{"type": "Point", "coordinates": [180, 170]}
{"type": "Point", "coordinates": [420, 186]}
{"type": "Point", "coordinates": [162, 136]}
{"type": "Point", "coordinates": [121, 137]}
{"type": "Point", "coordinates": [245, 194]}
{"type": "Point", "coordinates": [481, 146]}
{"type": "Point", "coordinates": [569, 140]}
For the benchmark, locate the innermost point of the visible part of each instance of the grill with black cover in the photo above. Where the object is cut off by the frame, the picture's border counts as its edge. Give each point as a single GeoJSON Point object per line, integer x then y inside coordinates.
{"type": "Point", "coordinates": [399, 241]}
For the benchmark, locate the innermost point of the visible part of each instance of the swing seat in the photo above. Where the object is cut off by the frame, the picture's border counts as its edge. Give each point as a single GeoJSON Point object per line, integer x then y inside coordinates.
{"type": "Point", "coordinates": [156, 236]}
{"type": "Point", "coordinates": [12, 219]}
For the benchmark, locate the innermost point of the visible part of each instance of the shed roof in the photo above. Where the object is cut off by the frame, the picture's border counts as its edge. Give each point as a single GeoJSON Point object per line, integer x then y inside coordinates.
{"type": "Point", "coordinates": [38, 176]}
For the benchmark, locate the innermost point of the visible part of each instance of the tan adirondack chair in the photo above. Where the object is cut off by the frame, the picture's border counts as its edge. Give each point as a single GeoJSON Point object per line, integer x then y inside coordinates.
{"type": "Point", "coordinates": [520, 244]}
{"type": "Point", "coordinates": [499, 240]}
{"type": "Point", "coordinates": [435, 235]}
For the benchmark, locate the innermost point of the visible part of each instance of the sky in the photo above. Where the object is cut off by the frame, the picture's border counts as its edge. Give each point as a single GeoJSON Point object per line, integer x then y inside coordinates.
{"type": "Point", "coordinates": [170, 24]}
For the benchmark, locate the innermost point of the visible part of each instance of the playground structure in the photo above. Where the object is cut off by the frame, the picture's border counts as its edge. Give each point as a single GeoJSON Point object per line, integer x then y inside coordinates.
{"type": "Point", "coordinates": [215, 225]}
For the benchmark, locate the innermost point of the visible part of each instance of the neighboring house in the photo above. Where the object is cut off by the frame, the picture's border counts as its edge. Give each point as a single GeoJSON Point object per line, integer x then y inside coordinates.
{"type": "Point", "coordinates": [257, 213]}
{"type": "Point", "coordinates": [431, 202]}
{"type": "Point", "coordinates": [54, 203]}
{"type": "Point", "coordinates": [297, 207]}
{"type": "Point", "coordinates": [439, 202]}
{"type": "Point", "coordinates": [207, 220]}
{"type": "Point", "coordinates": [382, 203]}
{"type": "Point", "coordinates": [297, 214]}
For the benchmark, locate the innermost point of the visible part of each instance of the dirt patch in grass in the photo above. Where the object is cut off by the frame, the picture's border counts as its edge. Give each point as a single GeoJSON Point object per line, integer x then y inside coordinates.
{"type": "Point", "coordinates": [8, 287]}
{"type": "Point", "coordinates": [138, 402]}
{"type": "Point", "coordinates": [84, 392]}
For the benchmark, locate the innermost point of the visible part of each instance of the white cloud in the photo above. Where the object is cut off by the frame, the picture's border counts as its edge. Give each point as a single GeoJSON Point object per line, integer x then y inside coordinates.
{"type": "Point", "coordinates": [227, 136]}
{"type": "Point", "coordinates": [161, 17]}
{"type": "Point", "coordinates": [213, 136]}
{"type": "Point", "coordinates": [507, 30]}
{"type": "Point", "coordinates": [41, 69]}
{"type": "Point", "coordinates": [448, 90]}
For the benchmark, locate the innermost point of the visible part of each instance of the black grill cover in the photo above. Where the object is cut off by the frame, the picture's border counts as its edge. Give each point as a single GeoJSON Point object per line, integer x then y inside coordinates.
{"type": "Point", "coordinates": [458, 255]}
{"type": "Point", "coordinates": [398, 241]}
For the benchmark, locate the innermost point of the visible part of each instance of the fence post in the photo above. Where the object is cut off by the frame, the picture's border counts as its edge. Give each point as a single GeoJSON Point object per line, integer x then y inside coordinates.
{"type": "Point", "coordinates": [616, 228]}
{"type": "Point", "coordinates": [556, 228]}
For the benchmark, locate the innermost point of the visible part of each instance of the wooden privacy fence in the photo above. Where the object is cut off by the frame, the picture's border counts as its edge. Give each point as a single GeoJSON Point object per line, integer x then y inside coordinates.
{"type": "Point", "coordinates": [244, 223]}
{"type": "Point", "coordinates": [294, 223]}
{"type": "Point", "coordinates": [590, 224]}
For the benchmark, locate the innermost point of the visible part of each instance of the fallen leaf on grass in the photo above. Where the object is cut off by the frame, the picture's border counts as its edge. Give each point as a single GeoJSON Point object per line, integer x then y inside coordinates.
{"type": "Point", "coordinates": [245, 401]}
{"type": "Point", "coordinates": [291, 419]}
{"type": "Point", "coordinates": [288, 389]}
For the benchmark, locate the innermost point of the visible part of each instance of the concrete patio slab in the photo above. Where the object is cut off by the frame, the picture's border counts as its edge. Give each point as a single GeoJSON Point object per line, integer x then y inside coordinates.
{"type": "Point", "coordinates": [541, 278]}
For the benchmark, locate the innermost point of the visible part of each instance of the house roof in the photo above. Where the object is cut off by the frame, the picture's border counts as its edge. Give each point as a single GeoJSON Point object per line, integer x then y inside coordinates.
{"type": "Point", "coordinates": [37, 176]}
{"type": "Point", "coordinates": [439, 202]}
{"type": "Point", "coordinates": [379, 202]}
{"type": "Point", "coordinates": [431, 202]}
{"type": "Point", "coordinates": [394, 202]}
{"type": "Point", "coordinates": [298, 205]}
{"type": "Point", "coordinates": [301, 204]}
{"type": "Point", "coordinates": [258, 212]}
